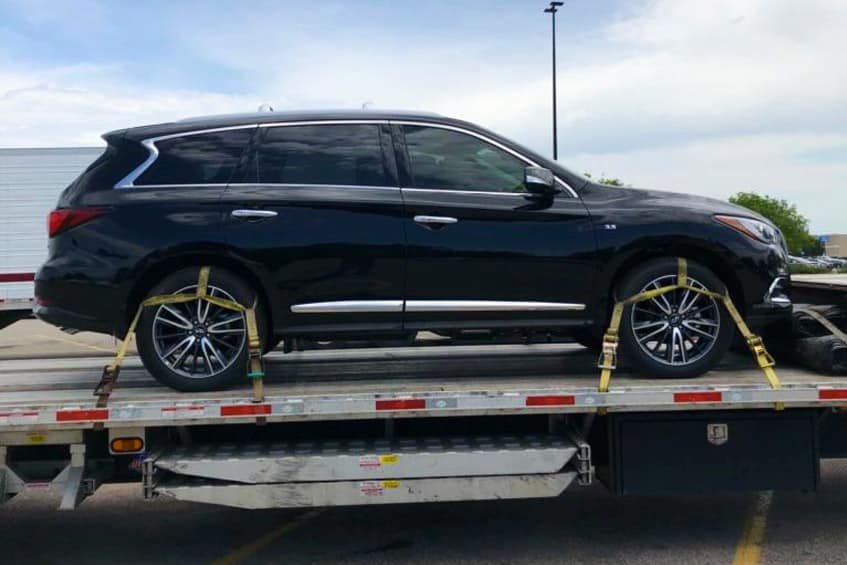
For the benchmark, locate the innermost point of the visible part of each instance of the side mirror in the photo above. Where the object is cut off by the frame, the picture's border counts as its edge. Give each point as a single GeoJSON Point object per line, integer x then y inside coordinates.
{"type": "Point", "coordinates": [540, 181]}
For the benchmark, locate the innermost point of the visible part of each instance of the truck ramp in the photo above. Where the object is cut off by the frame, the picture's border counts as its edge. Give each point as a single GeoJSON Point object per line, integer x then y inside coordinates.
{"type": "Point", "coordinates": [342, 473]}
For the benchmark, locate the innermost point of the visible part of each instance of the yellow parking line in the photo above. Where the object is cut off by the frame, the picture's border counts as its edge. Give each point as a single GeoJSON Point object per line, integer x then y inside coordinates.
{"type": "Point", "coordinates": [250, 549]}
{"type": "Point", "coordinates": [73, 342]}
{"type": "Point", "coordinates": [749, 550]}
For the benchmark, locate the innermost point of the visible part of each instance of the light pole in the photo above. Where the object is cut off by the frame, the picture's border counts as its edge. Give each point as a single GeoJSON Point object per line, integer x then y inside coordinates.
{"type": "Point", "coordinates": [552, 9]}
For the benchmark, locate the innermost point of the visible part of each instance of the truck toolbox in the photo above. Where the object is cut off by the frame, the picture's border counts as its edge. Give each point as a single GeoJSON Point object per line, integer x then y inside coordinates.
{"type": "Point", "coordinates": [710, 452]}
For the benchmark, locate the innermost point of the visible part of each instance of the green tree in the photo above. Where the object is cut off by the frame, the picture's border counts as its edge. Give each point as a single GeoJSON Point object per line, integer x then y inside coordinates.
{"type": "Point", "coordinates": [794, 226]}
{"type": "Point", "coordinates": [611, 181]}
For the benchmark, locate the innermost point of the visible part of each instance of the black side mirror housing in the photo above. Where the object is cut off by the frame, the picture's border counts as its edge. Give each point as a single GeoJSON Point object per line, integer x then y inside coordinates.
{"type": "Point", "coordinates": [540, 181]}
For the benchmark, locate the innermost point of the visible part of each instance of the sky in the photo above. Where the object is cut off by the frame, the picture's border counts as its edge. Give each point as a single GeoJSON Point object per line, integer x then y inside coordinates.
{"type": "Point", "coordinates": [706, 97]}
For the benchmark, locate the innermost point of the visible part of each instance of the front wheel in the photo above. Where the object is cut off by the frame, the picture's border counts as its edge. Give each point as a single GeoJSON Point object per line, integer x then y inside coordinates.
{"type": "Point", "coordinates": [197, 346]}
{"type": "Point", "coordinates": [681, 334]}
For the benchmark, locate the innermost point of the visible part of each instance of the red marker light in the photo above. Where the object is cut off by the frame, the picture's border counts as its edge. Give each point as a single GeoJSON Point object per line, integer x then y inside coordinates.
{"type": "Point", "coordinates": [401, 404]}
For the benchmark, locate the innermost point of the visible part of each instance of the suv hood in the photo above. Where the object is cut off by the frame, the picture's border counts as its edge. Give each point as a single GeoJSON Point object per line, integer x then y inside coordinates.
{"type": "Point", "coordinates": [661, 198]}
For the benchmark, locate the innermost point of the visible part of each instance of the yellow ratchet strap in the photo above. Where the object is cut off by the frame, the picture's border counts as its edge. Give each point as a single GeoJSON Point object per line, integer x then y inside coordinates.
{"type": "Point", "coordinates": [255, 370]}
{"type": "Point", "coordinates": [608, 354]}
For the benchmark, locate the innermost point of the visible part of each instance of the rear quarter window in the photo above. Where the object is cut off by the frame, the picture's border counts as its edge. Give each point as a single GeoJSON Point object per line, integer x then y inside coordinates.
{"type": "Point", "coordinates": [205, 158]}
{"type": "Point", "coordinates": [119, 158]}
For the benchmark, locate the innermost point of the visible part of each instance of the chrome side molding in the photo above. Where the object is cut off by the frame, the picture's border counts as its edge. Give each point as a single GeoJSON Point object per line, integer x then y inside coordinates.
{"type": "Point", "coordinates": [488, 306]}
{"type": "Point", "coordinates": [387, 306]}
{"type": "Point", "coordinates": [348, 307]}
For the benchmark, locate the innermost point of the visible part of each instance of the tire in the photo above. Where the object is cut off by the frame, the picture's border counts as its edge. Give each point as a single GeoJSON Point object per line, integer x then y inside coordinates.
{"type": "Point", "coordinates": [197, 365]}
{"type": "Point", "coordinates": [690, 324]}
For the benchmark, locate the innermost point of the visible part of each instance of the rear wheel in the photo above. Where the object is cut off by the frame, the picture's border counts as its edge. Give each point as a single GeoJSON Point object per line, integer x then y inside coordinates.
{"type": "Point", "coordinates": [197, 346]}
{"type": "Point", "coordinates": [681, 334]}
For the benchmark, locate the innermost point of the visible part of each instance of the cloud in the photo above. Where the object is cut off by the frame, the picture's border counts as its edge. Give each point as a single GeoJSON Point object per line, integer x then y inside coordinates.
{"type": "Point", "coordinates": [709, 97]}
{"type": "Point", "coordinates": [773, 164]}
{"type": "Point", "coordinates": [75, 105]}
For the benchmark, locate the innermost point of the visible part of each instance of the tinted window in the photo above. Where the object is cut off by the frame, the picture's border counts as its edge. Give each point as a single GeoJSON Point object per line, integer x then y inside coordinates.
{"type": "Point", "coordinates": [445, 159]}
{"type": "Point", "coordinates": [318, 154]}
{"type": "Point", "coordinates": [206, 158]}
{"type": "Point", "coordinates": [119, 159]}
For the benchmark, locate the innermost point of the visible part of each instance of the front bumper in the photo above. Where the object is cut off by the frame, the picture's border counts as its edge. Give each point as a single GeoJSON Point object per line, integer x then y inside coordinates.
{"type": "Point", "coordinates": [776, 306]}
{"type": "Point", "coordinates": [779, 292]}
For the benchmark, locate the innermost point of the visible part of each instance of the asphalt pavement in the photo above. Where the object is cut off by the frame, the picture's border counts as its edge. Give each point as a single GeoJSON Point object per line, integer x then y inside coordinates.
{"type": "Point", "coordinates": [585, 525]}
{"type": "Point", "coordinates": [34, 339]}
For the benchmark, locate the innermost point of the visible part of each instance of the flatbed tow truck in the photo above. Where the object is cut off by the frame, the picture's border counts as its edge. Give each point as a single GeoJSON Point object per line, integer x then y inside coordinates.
{"type": "Point", "coordinates": [419, 424]}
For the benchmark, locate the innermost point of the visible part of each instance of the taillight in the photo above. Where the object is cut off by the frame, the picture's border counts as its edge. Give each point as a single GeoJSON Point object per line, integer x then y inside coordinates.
{"type": "Point", "coordinates": [67, 218]}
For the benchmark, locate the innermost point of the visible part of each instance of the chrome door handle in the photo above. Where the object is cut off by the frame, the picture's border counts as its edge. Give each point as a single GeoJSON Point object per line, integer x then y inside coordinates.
{"type": "Point", "coordinates": [252, 214]}
{"type": "Point", "coordinates": [435, 220]}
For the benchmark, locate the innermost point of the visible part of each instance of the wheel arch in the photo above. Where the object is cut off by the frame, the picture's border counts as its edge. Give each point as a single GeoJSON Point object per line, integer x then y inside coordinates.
{"type": "Point", "coordinates": [157, 270]}
{"type": "Point", "coordinates": [706, 257]}
{"type": "Point", "coordinates": [709, 258]}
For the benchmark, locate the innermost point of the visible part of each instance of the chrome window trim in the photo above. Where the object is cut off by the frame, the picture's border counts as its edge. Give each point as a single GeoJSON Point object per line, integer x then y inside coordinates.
{"type": "Point", "coordinates": [271, 184]}
{"type": "Point", "coordinates": [417, 306]}
{"type": "Point", "coordinates": [150, 144]}
{"type": "Point", "coordinates": [315, 185]}
{"type": "Point", "coordinates": [153, 154]}
{"type": "Point", "coordinates": [318, 185]}
{"type": "Point", "coordinates": [348, 307]}
{"type": "Point", "coordinates": [486, 139]}
{"type": "Point", "coordinates": [468, 192]}
{"type": "Point", "coordinates": [323, 123]}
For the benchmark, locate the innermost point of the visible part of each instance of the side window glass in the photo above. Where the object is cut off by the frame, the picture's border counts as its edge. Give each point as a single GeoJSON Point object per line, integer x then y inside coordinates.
{"type": "Point", "coordinates": [450, 160]}
{"type": "Point", "coordinates": [320, 154]}
{"type": "Point", "coordinates": [205, 158]}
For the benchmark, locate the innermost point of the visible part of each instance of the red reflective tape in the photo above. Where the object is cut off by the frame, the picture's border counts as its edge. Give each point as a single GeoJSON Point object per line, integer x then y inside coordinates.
{"type": "Point", "coordinates": [19, 414]}
{"type": "Point", "coordinates": [710, 396]}
{"type": "Point", "coordinates": [832, 394]}
{"type": "Point", "coordinates": [551, 400]}
{"type": "Point", "coordinates": [16, 277]}
{"type": "Point", "coordinates": [246, 410]}
{"type": "Point", "coordinates": [401, 404]}
{"type": "Point", "coordinates": [82, 415]}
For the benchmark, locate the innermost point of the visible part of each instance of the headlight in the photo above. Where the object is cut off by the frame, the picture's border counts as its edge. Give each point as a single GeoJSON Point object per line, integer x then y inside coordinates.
{"type": "Point", "coordinates": [756, 229]}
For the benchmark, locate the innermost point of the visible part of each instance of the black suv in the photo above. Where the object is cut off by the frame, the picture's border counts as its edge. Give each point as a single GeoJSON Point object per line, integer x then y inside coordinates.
{"type": "Point", "coordinates": [344, 225]}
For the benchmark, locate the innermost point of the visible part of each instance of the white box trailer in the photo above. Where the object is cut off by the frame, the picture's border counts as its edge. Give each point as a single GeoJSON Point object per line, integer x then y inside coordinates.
{"type": "Point", "coordinates": [30, 183]}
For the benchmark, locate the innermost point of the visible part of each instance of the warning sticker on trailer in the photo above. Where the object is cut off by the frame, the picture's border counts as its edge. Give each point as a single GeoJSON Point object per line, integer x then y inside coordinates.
{"type": "Point", "coordinates": [18, 417]}
{"type": "Point", "coordinates": [183, 411]}
{"type": "Point", "coordinates": [377, 488]}
{"type": "Point", "coordinates": [36, 438]}
{"type": "Point", "coordinates": [376, 461]}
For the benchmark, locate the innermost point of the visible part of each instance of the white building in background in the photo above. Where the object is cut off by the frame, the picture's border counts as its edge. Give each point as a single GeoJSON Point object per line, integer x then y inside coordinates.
{"type": "Point", "coordinates": [30, 183]}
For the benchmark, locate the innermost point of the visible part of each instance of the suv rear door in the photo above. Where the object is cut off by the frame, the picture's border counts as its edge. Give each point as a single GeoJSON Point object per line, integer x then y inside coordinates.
{"type": "Point", "coordinates": [318, 212]}
{"type": "Point", "coordinates": [482, 251]}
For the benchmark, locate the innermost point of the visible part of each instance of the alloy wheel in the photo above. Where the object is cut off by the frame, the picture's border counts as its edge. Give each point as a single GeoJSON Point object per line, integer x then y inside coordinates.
{"type": "Point", "coordinates": [677, 328]}
{"type": "Point", "coordinates": [198, 339]}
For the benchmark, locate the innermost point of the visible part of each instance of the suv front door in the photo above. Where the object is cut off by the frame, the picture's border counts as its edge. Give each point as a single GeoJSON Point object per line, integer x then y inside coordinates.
{"type": "Point", "coordinates": [482, 251]}
{"type": "Point", "coordinates": [318, 212]}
